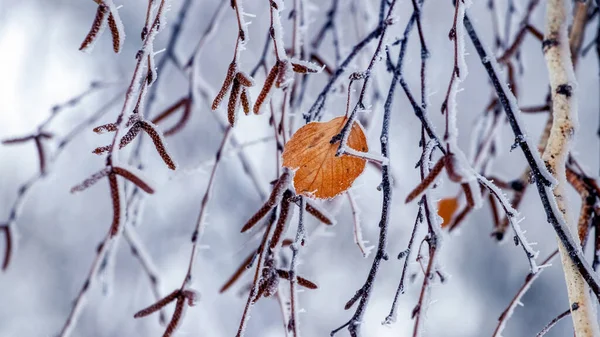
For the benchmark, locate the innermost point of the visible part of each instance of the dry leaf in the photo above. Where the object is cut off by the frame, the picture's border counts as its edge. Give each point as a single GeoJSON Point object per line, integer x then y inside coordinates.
{"type": "Point", "coordinates": [319, 173]}
{"type": "Point", "coordinates": [446, 209]}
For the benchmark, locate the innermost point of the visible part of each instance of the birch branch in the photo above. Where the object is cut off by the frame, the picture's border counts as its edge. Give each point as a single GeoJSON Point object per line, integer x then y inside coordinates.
{"type": "Point", "coordinates": [564, 109]}
{"type": "Point", "coordinates": [543, 179]}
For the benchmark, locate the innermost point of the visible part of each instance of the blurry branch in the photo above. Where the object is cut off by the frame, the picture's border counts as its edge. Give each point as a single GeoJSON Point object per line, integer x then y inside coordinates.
{"type": "Point", "coordinates": [9, 227]}
{"type": "Point", "coordinates": [196, 237]}
{"type": "Point", "coordinates": [249, 170]}
{"type": "Point", "coordinates": [516, 300]}
{"type": "Point", "coordinates": [169, 54]}
{"type": "Point", "coordinates": [138, 251]}
{"type": "Point", "coordinates": [208, 33]}
{"type": "Point", "coordinates": [358, 237]}
{"type": "Point", "coordinates": [184, 104]}
{"type": "Point", "coordinates": [525, 27]}
{"type": "Point", "coordinates": [79, 302]}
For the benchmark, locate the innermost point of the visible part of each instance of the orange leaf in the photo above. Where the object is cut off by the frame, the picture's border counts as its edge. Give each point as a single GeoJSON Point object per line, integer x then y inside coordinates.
{"type": "Point", "coordinates": [319, 173]}
{"type": "Point", "coordinates": [446, 209]}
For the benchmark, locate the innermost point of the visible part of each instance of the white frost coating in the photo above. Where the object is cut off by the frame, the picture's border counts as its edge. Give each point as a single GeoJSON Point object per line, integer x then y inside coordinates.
{"type": "Point", "coordinates": [434, 218]}
{"type": "Point", "coordinates": [463, 168]}
{"type": "Point", "coordinates": [462, 65]}
{"type": "Point", "coordinates": [514, 106]}
{"type": "Point", "coordinates": [358, 238]}
{"type": "Point", "coordinates": [313, 67]}
{"type": "Point", "coordinates": [152, 68]}
{"type": "Point", "coordinates": [163, 15]}
{"type": "Point", "coordinates": [512, 214]}
{"type": "Point", "coordinates": [477, 197]}
{"type": "Point", "coordinates": [436, 227]}
{"type": "Point", "coordinates": [481, 125]}
{"type": "Point", "coordinates": [279, 4]}
{"type": "Point", "coordinates": [239, 7]}
{"type": "Point", "coordinates": [278, 30]}
{"type": "Point", "coordinates": [163, 141]}
{"type": "Point", "coordinates": [118, 23]}
{"type": "Point", "coordinates": [287, 74]}
{"type": "Point", "coordinates": [370, 156]}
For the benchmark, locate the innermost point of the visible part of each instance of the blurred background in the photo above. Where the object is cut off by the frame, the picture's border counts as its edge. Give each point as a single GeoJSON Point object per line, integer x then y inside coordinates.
{"type": "Point", "coordinates": [58, 232]}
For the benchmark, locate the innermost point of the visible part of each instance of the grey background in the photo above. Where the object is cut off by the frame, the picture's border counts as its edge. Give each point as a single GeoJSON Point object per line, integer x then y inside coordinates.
{"type": "Point", "coordinates": [40, 66]}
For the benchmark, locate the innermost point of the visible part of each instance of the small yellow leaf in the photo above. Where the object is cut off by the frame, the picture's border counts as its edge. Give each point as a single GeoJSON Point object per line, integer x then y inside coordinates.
{"type": "Point", "coordinates": [446, 209]}
{"type": "Point", "coordinates": [319, 173]}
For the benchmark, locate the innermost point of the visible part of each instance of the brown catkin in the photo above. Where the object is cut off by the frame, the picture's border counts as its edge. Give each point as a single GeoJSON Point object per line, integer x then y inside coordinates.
{"type": "Point", "coordinates": [170, 110]}
{"type": "Point", "coordinates": [97, 26]}
{"type": "Point", "coordinates": [130, 135]}
{"type": "Point", "coordinates": [91, 180]}
{"type": "Point", "coordinates": [114, 32]}
{"type": "Point", "coordinates": [306, 283]}
{"type": "Point", "coordinates": [303, 67]}
{"type": "Point", "coordinates": [185, 117]}
{"type": "Point", "coordinates": [256, 217]}
{"type": "Point", "coordinates": [300, 69]}
{"type": "Point", "coordinates": [245, 98]}
{"type": "Point", "coordinates": [585, 216]}
{"type": "Point", "coordinates": [231, 71]}
{"type": "Point", "coordinates": [101, 149]}
{"type": "Point", "coordinates": [312, 210]}
{"type": "Point", "coordinates": [275, 198]}
{"type": "Point", "coordinates": [125, 173]}
{"type": "Point", "coordinates": [430, 178]}
{"type": "Point", "coordinates": [116, 201]}
{"type": "Point", "coordinates": [158, 143]}
{"type": "Point", "coordinates": [110, 127]}
{"type": "Point", "coordinates": [238, 272]}
{"type": "Point", "coordinates": [158, 305]}
{"type": "Point", "coordinates": [234, 100]}
{"type": "Point", "coordinates": [285, 214]}
{"type": "Point", "coordinates": [245, 79]}
{"type": "Point", "coordinates": [264, 93]}
{"type": "Point", "coordinates": [177, 314]}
